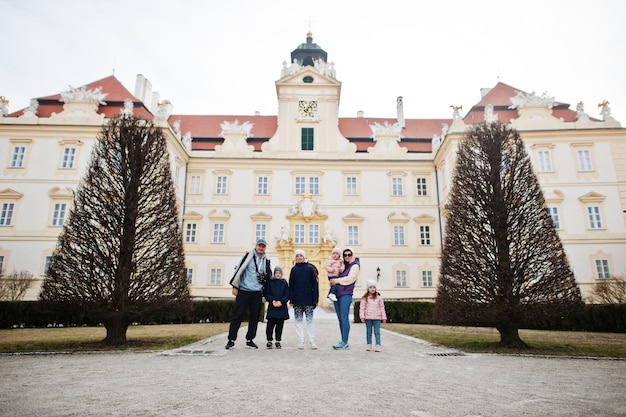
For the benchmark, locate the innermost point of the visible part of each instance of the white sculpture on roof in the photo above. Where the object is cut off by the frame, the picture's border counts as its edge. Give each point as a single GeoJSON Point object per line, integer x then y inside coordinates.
{"type": "Point", "coordinates": [4, 106]}
{"type": "Point", "coordinates": [176, 127]}
{"type": "Point", "coordinates": [164, 110]}
{"type": "Point", "coordinates": [127, 111]}
{"type": "Point", "coordinates": [187, 140]}
{"type": "Point", "coordinates": [235, 127]}
{"type": "Point", "coordinates": [490, 116]}
{"type": "Point", "coordinates": [456, 112]}
{"type": "Point", "coordinates": [581, 116]}
{"type": "Point", "coordinates": [292, 69]}
{"type": "Point", "coordinates": [386, 128]}
{"type": "Point", "coordinates": [522, 99]}
{"type": "Point", "coordinates": [31, 110]}
{"type": "Point", "coordinates": [82, 94]}
{"type": "Point", "coordinates": [605, 110]}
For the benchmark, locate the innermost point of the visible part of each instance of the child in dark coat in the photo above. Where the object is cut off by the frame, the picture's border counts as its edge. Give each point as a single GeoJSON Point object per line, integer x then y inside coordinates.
{"type": "Point", "coordinates": [276, 293]}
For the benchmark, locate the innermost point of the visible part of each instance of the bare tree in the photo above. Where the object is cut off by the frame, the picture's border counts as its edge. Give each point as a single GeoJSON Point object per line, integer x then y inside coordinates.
{"type": "Point", "coordinates": [120, 254]}
{"type": "Point", "coordinates": [14, 286]}
{"type": "Point", "coordinates": [503, 263]}
{"type": "Point", "coordinates": [609, 291]}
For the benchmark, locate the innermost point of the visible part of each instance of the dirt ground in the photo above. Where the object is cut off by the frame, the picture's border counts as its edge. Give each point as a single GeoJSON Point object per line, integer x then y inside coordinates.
{"type": "Point", "coordinates": [408, 378]}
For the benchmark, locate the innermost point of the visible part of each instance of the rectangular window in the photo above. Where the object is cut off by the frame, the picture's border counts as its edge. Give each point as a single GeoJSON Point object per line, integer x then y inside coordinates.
{"type": "Point", "coordinates": [194, 184]}
{"type": "Point", "coordinates": [69, 154]}
{"type": "Point", "coordinates": [58, 215]}
{"type": "Point", "coordinates": [216, 276]}
{"type": "Point", "coordinates": [351, 186]}
{"type": "Point", "coordinates": [46, 265]}
{"type": "Point", "coordinates": [17, 159]}
{"type": "Point", "coordinates": [298, 234]}
{"type": "Point", "coordinates": [6, 214]}
{"type": "Point", "coordinates": [396, 187]}
{"type": "Point", "coordinates": [314, 234]}
{"type": "Point", "coordinates": [401, 280]}
{"type": "Point", "coordinates": [190, 233]}
{"type": "Point", "coordinates": [260, 231]}
{"type": "Point", "coordinates": [421, 187]}
{"type": "Point", "coordinates": [300, 185]}
{"type": "Point", "coordinates": [314, 185]}
{"type": "Point", "coordinates": [554, 214]}
{"type": "Point", "coordinates": [427, 279]}
{"type": "Point", "coordinates": [398, 235]}
{"type": "Point", "coordinates": [218, 233]}
{"type": "Point", "coordinates": [545, 164]}
{"type": "Point", "coordinates": [1, 264]}
{"type": "Point", "coordinates": [353, 235]}
{"type": "Point", "coordinates": [261, 186]}
{"type": "Point", "coordinates": [602, 268]}
{"type": "Point", "coordinates": [584, 160]}
{"type": "Point", "coordinates": [595, 221]}
{"type": "Point", "coordinates": [307, 138]}
{"type": "Point", "coordinates": [424, 235]}
{"type": "Point", "coordinates": [189, 276]}
{"type": "Point", "coordinates": [221, 185]}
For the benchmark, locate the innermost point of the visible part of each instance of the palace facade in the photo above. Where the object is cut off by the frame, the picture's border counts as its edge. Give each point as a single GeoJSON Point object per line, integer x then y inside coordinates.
{"type": "Point", "coordinates": [309, 179]}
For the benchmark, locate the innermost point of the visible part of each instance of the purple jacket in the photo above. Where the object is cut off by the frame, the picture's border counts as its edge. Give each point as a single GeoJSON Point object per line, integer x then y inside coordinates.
{"type": "Point", "coordinates": [349, 289]}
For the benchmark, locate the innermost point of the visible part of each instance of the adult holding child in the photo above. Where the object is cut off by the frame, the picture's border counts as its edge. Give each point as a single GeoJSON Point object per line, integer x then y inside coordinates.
{"type": "Point", "coordinates": [346, 280]}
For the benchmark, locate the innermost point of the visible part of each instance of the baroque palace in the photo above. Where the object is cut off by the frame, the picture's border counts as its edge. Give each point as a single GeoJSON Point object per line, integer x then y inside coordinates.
{"type": "Point", "coordinates": [308, 179]}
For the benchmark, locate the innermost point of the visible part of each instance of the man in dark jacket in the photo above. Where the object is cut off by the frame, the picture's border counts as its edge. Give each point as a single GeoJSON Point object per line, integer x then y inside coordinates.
{"type": "Point", "coordinates": [303, 296]}
{"type": "Point", "coordinates": [250, 277]}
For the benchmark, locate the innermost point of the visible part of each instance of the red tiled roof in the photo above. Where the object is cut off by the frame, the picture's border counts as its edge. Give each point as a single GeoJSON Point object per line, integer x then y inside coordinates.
{"type": "Point", "coordinates": [116, 94]}
{"type": "Point", "coordinates": [210, 126]}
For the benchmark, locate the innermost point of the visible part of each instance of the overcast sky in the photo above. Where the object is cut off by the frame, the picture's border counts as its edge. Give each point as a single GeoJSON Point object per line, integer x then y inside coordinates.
{"type": "Point", "coordinates": [223, 57]}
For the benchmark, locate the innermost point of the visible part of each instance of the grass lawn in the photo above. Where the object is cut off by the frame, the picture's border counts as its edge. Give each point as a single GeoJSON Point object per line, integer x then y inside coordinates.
{"type": "Point", "coordinates": [164, 337]}
{"type": "Point", "coordinates": [541, 342]}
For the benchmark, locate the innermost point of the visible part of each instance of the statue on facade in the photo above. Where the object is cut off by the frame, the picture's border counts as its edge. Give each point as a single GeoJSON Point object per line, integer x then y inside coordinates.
{"type": "Point", "coordinates": [82, 94]}
{"type": "Point", "coordinates": [283, 235]}
{"type": "Point", "coordinates": [4, 106]}
{"type": "Point", "coordinates": [31, 110]}
{"type": "Point", "coordinates": [456, 112]}
{"type": "Point", "coordinates": [329, 236]}
{"type": "Point", "coordinates": [581, 116]}
{"type": "Point", "coordinates": [127, 111]}
{"type": "Point", "coordinates": [605, 110]}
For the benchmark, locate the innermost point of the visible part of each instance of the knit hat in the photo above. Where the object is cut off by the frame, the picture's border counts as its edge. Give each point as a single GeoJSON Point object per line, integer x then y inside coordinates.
{"type": "Point", "coordinates": [337, 249]}
{"type": "Point", "coordinates": [300, 252]}
{"type": "Point", "coordinates": [371, 283]}
{"type": "Point", "coordinates": [278, 268]}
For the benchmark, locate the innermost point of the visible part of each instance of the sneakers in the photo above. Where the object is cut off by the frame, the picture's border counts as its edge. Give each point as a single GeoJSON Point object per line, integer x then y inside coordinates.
{"type": "Point", "coordinates": [230, 345]}
{"type": "Point", "coordinates": [368, 347]}
{"type": "Point", "coordinates": [313, 346]}
{"type": "Point", "coordinates": [341, 346]}
{"type": "Point", "coordinates": [278, 346]}
{"type": "Point", "coordinates": [269, 344]}
{"type": "Point", "coordinates": [251, 345]}
{"type": "Point", "coordinates": [301, 345]}
{"type": "Point", "coordinates": [377, 348]}
{"type": "Point", "coordinates": [332, 297]}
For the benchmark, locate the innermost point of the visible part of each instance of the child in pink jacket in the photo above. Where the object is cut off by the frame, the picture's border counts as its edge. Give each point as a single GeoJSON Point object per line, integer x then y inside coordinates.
{"type": "Point", "coordinates": [334, 267]}
{"type": "Point", "coordinates": [372, 312]}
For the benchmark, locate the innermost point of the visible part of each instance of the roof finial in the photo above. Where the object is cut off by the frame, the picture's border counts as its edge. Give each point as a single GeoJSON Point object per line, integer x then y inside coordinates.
{"type": "Point", "coordinates": [309, 34]}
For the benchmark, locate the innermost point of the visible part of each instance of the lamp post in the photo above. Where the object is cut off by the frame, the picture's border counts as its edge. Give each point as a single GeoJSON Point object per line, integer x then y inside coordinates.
{"type": "Point", "coordinates": [377, 274]}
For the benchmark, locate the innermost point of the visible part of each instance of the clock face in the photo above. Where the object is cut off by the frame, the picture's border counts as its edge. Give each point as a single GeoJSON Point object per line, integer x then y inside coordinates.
{"type": "Point", "coordinates": [307, 108]}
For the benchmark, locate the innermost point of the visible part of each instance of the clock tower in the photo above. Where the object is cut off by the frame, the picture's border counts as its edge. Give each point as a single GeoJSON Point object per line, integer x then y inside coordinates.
{"type": "Point", "coordinates": [308, 107]}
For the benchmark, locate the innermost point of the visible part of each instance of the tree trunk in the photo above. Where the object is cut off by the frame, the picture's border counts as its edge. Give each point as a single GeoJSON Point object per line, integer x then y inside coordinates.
{"type": "Point", "coordinates": [116, 331]}
{"type": "Point", "coordinates": [509, 336]}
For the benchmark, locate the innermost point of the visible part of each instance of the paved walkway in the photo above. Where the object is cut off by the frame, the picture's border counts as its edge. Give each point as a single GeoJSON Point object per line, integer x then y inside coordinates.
{"type": "Point", "coordinates": [408, 378]}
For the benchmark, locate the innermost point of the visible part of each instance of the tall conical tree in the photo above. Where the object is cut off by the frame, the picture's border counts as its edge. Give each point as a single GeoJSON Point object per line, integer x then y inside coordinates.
{"type": "Point", "coordinates": [120, 254]}
{"type": "Point", "coordinates": [503, 263]}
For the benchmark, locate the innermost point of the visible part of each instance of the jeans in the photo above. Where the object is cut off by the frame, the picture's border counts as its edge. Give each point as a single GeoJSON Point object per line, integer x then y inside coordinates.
{"type": "Point", "coordinates": [342, 308]}
{"type": "Point", "coordinates": [369, 325]}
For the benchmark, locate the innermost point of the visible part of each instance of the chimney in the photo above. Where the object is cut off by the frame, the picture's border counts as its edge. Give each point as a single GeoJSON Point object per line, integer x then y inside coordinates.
{"type": "Point", "coordinates": [140, 86]}
{"type": "Point", "coordinates": [154, 105]}
{"type": "Point", "coordinates": [360, 114]}
{"type": "Point", "coordinates": [400, 109]}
